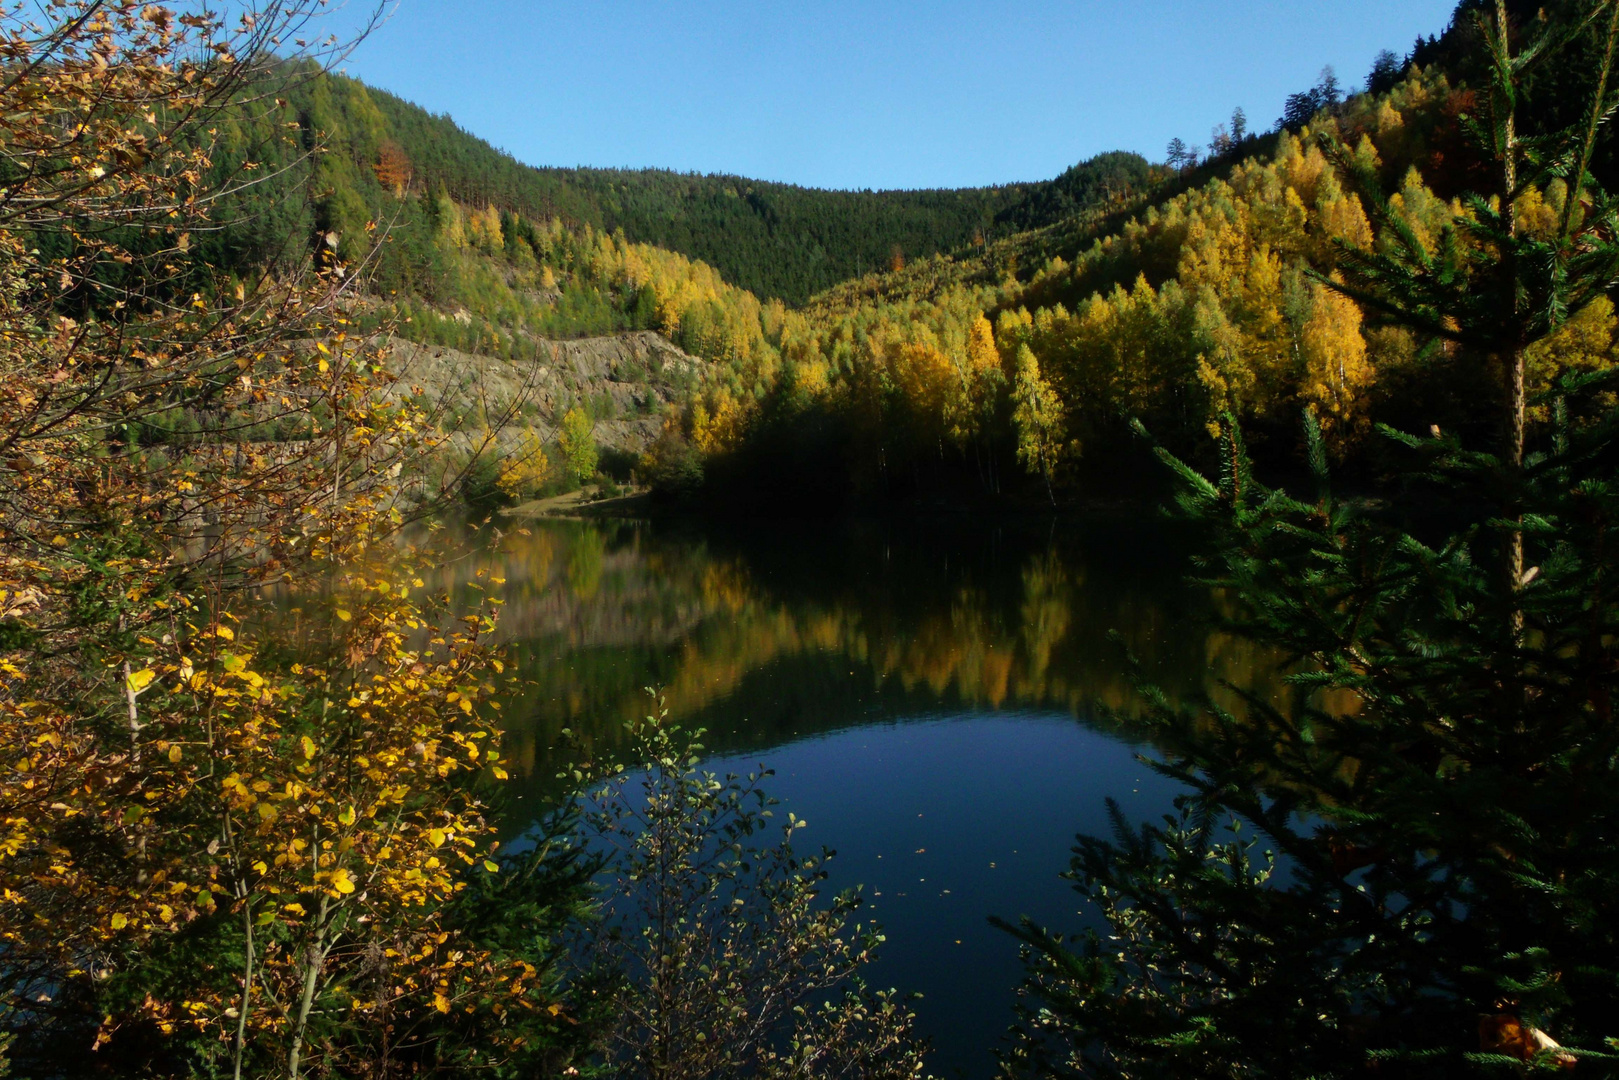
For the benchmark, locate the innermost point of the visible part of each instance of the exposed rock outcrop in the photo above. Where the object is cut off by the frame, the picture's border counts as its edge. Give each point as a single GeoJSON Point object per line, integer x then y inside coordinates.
{"type": "Point", "coordinates": [626, 380]}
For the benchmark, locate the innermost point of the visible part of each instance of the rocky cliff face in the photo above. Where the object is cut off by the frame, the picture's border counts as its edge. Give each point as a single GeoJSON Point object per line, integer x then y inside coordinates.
{"type": "Point", "coordinates": [625, 381]}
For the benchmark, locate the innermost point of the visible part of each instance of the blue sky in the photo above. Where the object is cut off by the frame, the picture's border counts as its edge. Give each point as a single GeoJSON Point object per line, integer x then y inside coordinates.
{"type": "Point", "coordinates": [859, 93]}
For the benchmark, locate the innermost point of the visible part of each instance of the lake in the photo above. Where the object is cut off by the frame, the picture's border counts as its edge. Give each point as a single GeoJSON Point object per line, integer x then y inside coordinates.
{"type": "Point", "coordinates": [944, 701]}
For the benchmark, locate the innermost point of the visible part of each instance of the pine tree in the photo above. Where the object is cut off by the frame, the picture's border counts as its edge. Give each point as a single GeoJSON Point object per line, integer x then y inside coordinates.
{"type": "Point", "coordinates": [1387, 70]}
{"type": "Point", "coordinates": [1410, 864]}
{"type": "Point", "coordinates": [1486, 285]}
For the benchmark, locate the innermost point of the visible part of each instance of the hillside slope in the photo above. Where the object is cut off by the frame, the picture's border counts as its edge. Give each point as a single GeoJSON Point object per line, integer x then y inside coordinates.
{"type": "Point", "coordinates": [1203, 301]}
{"type": "Point", "coordinates": [775, 240]}
{"type": "Point", "coordinates": [625, 380]}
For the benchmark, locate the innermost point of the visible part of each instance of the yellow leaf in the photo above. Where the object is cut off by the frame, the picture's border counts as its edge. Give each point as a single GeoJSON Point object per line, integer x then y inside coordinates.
{"type": "Point", "coordinates": [119, 922]}
{"type": "Point", "coordinates": [226, 633]}
{"type": "Point", "coordinates": [500, 774]}
{"type": "Point", "coordinates": [347, 816]}
{"type": "Point", "coordinates": [344, 616]}
{"type": "Point", "coordinates": [309, 746]}
{"type": "Point", "coordinates": [466, 706]}
{"type": "Point", "coordinates": [174, 756]}
{"type": "Point", "coordinates": [492, 867]}
{"type": "Point", "coordinates": [436, 837]}
{"type": "Point", "coordinates": [341, 881]}
{"type": "Point", "coordinates": [140, 680]}
{"type": "Point", "coordinates": [441, 1003]}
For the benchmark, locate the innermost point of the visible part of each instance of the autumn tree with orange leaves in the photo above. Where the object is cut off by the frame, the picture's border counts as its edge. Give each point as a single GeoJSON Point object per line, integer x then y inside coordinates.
{"type": "Point", "coordinates": [219, 854]}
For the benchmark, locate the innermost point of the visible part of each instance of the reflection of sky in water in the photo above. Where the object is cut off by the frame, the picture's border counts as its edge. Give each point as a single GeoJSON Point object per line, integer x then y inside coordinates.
{"type": "Point", "coordinates": [926, 693]}
{"type": "Point", "coordinates": [945, 822]}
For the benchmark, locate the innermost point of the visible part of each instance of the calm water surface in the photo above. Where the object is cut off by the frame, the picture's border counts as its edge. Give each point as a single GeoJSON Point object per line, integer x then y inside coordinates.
{"type": "Point", "coordinates": [941, 701]}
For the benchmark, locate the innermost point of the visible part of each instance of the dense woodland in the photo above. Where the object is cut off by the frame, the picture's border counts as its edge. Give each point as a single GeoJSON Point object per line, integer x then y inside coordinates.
{"type": "Point", "coordinates": [1175, 295]}
{"type": "Point", "coordinates": [775, 240]}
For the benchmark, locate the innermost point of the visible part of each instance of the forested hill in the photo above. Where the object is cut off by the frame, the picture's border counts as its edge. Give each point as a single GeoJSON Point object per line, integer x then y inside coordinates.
{"type": "Point", "coordinates": [775, 240]}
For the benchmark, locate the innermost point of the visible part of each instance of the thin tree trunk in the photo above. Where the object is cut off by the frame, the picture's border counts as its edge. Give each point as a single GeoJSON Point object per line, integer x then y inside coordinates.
{"type": "Point", "coordinates": [314, 960]}
{"type": "Point", "coordinates": [1514, 355]}
{"type": "Point", "coordinates": [247, 995]}
{"type": "Point", "coordinates": [134, 712]}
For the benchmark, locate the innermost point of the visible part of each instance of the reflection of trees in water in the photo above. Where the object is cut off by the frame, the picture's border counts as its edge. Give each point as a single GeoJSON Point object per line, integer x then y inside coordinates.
{"type": "Point", "coordinates": [1046, 611]}
{"type": "Point", "coordinates": [848, 626]}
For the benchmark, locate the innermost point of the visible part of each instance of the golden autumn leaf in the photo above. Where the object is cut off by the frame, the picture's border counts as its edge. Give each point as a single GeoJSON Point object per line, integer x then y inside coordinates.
{"type": "Point", "coordinates": [140, 680]}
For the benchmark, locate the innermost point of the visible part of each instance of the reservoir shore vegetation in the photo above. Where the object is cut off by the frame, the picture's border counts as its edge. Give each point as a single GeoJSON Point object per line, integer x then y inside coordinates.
{"type": "Point", "coordinates": [266, 334]}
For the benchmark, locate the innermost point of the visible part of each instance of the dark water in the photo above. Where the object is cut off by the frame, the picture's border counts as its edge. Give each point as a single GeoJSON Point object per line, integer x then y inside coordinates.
{"type": "Point", "coordinates": [943, 702]}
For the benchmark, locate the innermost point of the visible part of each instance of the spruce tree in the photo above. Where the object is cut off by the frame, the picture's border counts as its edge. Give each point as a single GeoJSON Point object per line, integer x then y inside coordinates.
{"type": "Point", "coordinates": [1411, 865]}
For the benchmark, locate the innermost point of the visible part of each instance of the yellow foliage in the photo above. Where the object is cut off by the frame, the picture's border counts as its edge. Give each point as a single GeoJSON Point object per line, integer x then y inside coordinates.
{"type": "Point", "coordinates": [160, 768]}
{"type": "Point", "coordinates": [721, 429]}
{"type": "Point", "coordinates": [483, 230]}
{"type": "Point", "coordinates": [929, 382]}
{"type": "Point", "coordinates": [1337, 371]}
{"type": "Point", "coordinates": [811, 379]}
{"type": "Point", "coordinates": [982, 356]}
{"type": "Point", "coordinates": [526, 469]}
{"type": "Point", "coordinates": [1220, 316]}
{"type": "Point", "coordinates": [1388, 118]}
{"type": "Point", "coordinates": [1536, 214]}
{"type": "Point", "coordinates": [1585, 343]}
{"type": "Point", "coordinates": [1038, 415]}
